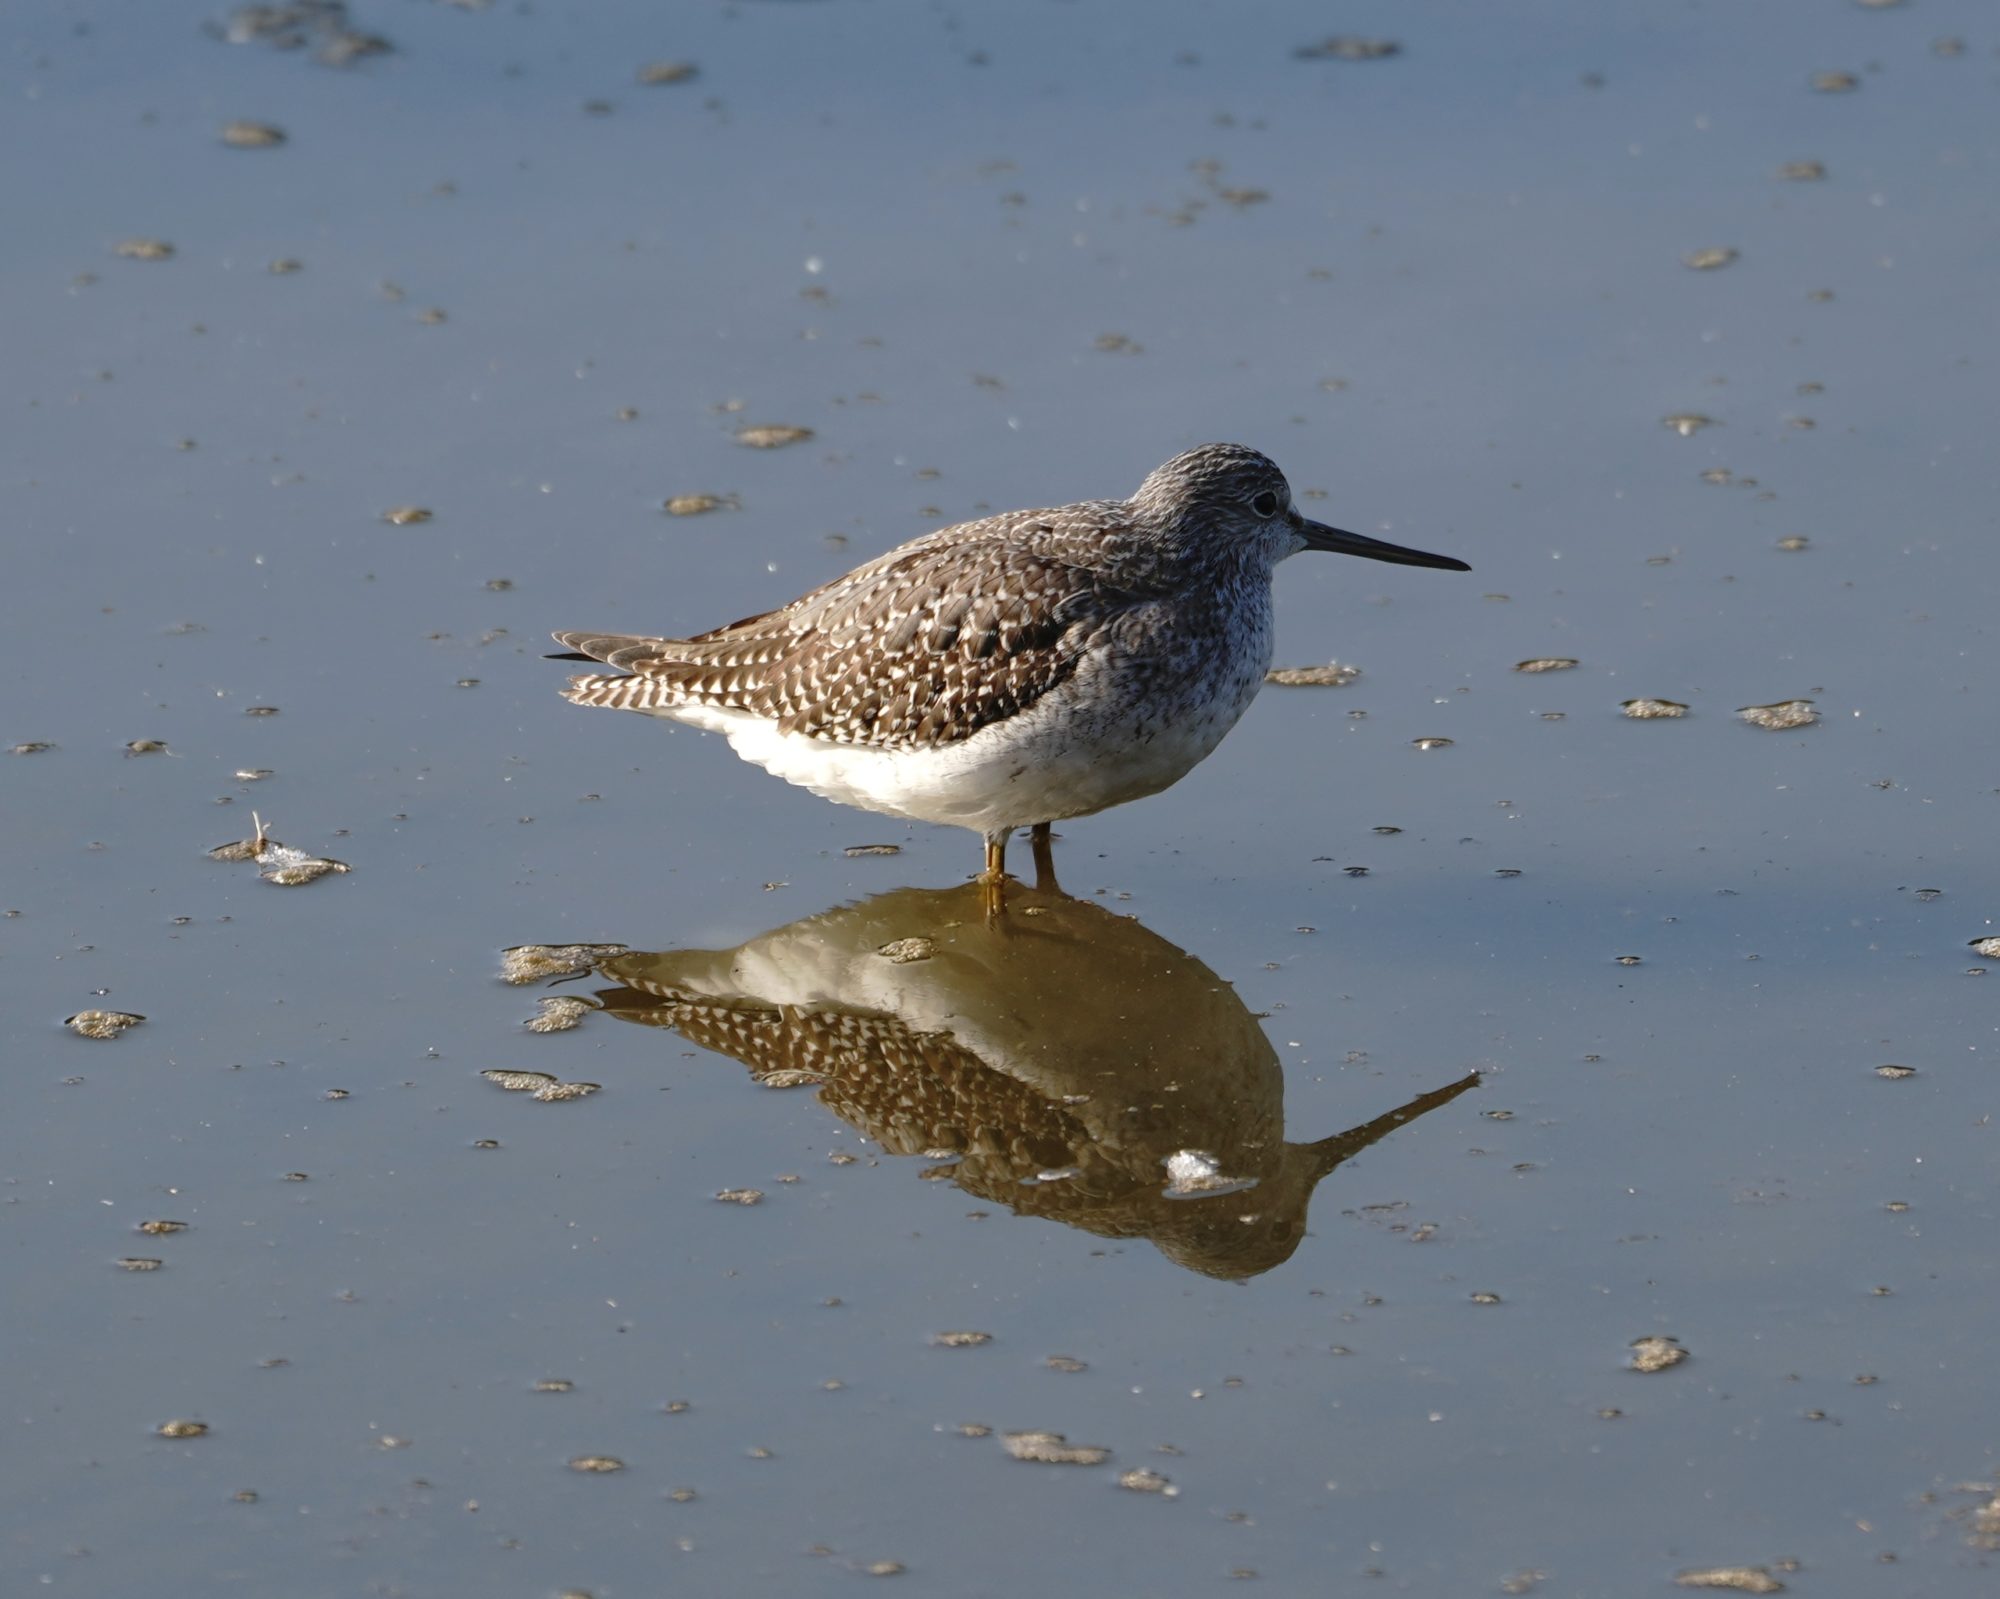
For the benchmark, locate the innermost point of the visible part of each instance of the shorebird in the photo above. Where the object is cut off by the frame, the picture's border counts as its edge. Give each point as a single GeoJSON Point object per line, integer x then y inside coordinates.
{"type": "Point", "coordinates": [1006, 673]}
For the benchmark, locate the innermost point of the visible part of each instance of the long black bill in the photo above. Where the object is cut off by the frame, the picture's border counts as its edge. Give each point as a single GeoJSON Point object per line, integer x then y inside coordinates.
{"type": "Point", "coordinates": [1318, 536]}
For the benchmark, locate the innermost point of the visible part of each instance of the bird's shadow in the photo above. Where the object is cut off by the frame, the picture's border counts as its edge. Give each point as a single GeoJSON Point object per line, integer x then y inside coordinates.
{"type": "Point", "coordinates": [1060, 1060]}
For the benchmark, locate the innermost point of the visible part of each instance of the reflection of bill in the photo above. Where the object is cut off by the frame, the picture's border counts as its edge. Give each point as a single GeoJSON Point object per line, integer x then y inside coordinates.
{"type": "Point", "coordinates": [1063, 1062]}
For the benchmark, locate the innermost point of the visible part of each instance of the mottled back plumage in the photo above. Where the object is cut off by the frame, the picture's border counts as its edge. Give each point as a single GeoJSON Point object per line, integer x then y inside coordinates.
{"type": "Point", "coordinates": [924, 646]}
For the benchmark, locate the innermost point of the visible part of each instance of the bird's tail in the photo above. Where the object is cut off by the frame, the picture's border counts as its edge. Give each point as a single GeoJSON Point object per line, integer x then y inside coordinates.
{"type": "Point", "coordinates": [616, 692]}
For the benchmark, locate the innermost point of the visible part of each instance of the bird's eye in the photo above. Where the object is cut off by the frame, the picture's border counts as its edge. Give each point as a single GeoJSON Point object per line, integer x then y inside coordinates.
{"type": "Point", "coordinates": [1265, 504]}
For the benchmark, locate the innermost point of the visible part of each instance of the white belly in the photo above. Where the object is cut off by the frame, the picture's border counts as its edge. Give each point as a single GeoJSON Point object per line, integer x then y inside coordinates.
{"type": "Point", "coordinates": [1077, 750]}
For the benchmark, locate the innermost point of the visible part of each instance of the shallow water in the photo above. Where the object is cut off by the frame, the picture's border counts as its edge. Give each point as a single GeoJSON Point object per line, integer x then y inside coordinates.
{"type": "Point", "coordinates": [1459, 309]}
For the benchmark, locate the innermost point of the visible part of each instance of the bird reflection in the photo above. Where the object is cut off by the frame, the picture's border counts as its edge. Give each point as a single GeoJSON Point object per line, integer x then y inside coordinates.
{"type": "Point", "coordinates": [1062, 1061]}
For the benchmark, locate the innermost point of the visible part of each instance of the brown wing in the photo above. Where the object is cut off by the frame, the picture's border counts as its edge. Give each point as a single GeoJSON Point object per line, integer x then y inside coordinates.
{"type": "Point", "coordinates": [922, 647]}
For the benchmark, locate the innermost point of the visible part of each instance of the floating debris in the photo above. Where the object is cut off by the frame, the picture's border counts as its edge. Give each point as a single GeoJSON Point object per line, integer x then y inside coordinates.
{"type": "Point", "coordinates": [138, 1263]}
{"type": "Point", "coordinates": [1431, 743]}
{"type": "Point", "coordinates": [252, 135]}
{"type": "Point", "coordinates": [767, 436]}
{"type": "Point", "coordinates": [741, 1196]}
{"type": "Point", "coordinates": [1067, 1364]}
{"type": "Point", "coordinates": [1782, 716]}
{"type": "Point", "coordinates": [520, 1082]}
{"type": "Point", "coordinates": [407, 515]}
{"type": "Point", "coordinates": [1988, 947]}
{"type": "Point", "coordinates": [290, 868]}
{"type": "Point", "coordinates": [553, 1385]}
{"type": "Point", "coordinates": [1052, 1449]}
{"type": "Point", "coordinates": [33, 746]}
{"type": "Point", "coordinates": [1196, 1171]}
{"type": "Point", "coordinates": [1140, 1480]}
{"type": "Point", "coordinates": [964, 1339]}
{"type": "Point", "coordinates": [902, 951]}
{"type": "Point", "coordinates": [1348, 47]}
{"type": "Point", "coordinates": [182, 1429]}
{"type": "Point", "coordinates": [322, 24]}
{"type": "Point", "coordinates": [1628, 960]}
{"type": "Point", "coordinates": [1687, 423]}
{"type": "Point", "coordinates": [596, 1463]}
{"type": "Point", "coordinates": [1117, 344]}
{"type": "Point", "coordinates": [1985, 1531]}
{"type": "Point", "coordinates": [657, 73]}
{"type": "Point", "coordinates": [261, 710]}
{"type": "Point", "coordinates": [148, 746]}
{"type": "Point", "coordinates": [1834, 82]}
{"type": "Point", "coordinates": [159, 1229]}
{"type": "Point", "coordinates": [1711, 259]}
{"type": "Point", "coordinates": [1802, 171]}
{"type": "Point", "coordinates": [698, 504]}
{"type": "Point", "coordinates": [144, 249]}
{"type": "Point", "coordinates": [1335, 674]}
{"type": "Point", "coordinates": [1648, 710]}
{"type": "Point", "coordinates": [285, 266]}
{"type": "Point", "coordinates": [855, 851]}
{"type": "Point", "coordinates": [1547, 663]}
{"type": "Point", "coordinates": [530, 963]}
{"type": "Point", "coordinates": [539, 1085]}
{"type": "Point", "coordinates": [1895, 1073]}
{"type": "Point", "coordinates": [1792, 543]}
{"type": "Point", "coordinates": [101, 1023]}
{"type": "Point", "coordinates": [1656, 1353]}
{"type": "Point", "coordinates": [243, 849]}
{"type": "Point", "coordinates": [559, 1013]}
{"type": "Point", "coordinates": [1745, 1579]}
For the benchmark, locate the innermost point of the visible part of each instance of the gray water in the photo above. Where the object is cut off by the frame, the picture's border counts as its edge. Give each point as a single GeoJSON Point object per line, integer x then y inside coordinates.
{"type": "Point", "coordinates": [1445, 289]}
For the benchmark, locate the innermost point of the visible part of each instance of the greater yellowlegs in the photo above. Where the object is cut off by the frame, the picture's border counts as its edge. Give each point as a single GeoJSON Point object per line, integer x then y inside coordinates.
{"type": "Point", "coordinates": [1010, 672]}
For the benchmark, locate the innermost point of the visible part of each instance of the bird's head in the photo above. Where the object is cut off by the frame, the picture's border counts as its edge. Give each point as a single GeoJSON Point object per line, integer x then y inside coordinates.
{"type": "Point", "coordinates": [1234, 495]}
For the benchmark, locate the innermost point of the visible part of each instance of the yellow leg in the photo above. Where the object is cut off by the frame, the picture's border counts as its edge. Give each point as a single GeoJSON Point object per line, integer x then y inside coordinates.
{"type": "Point", "coordinates": [993, 881]}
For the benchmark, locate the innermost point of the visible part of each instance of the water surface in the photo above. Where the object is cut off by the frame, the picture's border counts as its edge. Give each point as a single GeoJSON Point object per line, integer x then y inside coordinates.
{"type": "Point", "coordinates": [995, 257]}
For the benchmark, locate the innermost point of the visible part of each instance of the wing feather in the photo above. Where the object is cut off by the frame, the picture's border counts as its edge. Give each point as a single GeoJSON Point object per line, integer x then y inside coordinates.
{"type": "Point", "coordinates": [922, 647]}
